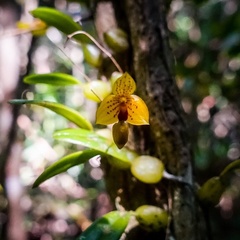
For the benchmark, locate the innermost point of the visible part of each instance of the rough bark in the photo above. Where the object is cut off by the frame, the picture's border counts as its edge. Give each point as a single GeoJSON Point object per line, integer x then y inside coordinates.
{"type": "Point", "coordinates": [152, 60]}
{"type": "Point", "coordinates": [150, 63]}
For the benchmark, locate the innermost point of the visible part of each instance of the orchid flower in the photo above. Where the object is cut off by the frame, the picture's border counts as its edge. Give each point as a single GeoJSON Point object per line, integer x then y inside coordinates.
{"type": "Point", "coordinates": [122, 105]}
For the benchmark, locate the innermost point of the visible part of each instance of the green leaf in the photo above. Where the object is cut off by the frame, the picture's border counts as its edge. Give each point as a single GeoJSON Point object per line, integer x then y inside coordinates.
{"type": "Point", "coordinates": [109, 227]}
{"type": "Point", "coordinates": [59, 20]}
{"type": "Point", "coordinates": [99, 143]}
{"type": "Point", "coordinates": [55, 79]}
{"type": "Point", "coordinates": [63, 164]}
{"type": "Point", "coordinates": [66, 112]}
{"type": "Point", "coordinates": [117, 228]}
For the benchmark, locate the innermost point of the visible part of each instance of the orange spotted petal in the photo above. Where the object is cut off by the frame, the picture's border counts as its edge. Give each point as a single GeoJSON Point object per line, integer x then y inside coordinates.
{"type": "Point", "coordinates": [137, 111]}
{"type": "Point", "coordinates": [107, 112]}
{"type": "Point", "coordinates": [124, 85]}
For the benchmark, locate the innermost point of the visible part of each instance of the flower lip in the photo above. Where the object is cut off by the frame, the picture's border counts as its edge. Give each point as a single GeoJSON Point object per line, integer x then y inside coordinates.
{"type": "Point", "coordinates": [123, 112]}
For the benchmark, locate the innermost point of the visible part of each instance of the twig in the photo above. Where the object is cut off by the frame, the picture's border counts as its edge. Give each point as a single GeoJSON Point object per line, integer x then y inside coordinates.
{"type": "Point", "coordinates": [98, 45]}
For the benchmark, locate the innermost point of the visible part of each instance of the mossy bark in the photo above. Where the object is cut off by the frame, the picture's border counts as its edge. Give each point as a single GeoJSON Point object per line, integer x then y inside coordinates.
{"type": "Point", "coordinates": [150, 62]}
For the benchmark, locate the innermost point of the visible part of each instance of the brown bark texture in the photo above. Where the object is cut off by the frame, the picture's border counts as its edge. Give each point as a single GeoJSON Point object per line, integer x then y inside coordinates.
{"type": "Point", "coordinates": [150, 62]}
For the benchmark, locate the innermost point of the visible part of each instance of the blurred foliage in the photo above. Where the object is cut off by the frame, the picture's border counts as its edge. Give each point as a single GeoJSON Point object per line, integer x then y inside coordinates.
{"type": "Point", "coordinates": [205, 39]}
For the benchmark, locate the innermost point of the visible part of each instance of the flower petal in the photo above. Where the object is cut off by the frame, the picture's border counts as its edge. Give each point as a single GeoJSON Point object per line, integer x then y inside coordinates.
{"type": "Point", "coordinates": [107, 112]}
{"type": "Point", "coordinates": [124, 85]}
{"type": "Point", "coordinates": [137, 111]}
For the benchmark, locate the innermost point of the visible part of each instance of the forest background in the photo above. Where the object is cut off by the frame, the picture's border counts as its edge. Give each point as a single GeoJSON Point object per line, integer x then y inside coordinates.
{"type": "Point", "coordinates": [205, 40]}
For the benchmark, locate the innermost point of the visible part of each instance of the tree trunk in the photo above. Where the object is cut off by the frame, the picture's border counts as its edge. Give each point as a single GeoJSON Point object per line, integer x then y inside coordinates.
{"type": "Point", "coordinates": [150, 62]}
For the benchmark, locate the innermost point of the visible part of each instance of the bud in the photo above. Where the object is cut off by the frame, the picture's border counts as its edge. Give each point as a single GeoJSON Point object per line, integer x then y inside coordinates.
{"type": "Point", "coordinates": [151, 218]}
{"type": "Point", "coordinates": [92, 55]}
{"type": "Point", "coordinates": [147, 169]}
{"type": "Point", "coordinates": [116, 39]}
{"type": "Point", "coordinates": [96, 90]}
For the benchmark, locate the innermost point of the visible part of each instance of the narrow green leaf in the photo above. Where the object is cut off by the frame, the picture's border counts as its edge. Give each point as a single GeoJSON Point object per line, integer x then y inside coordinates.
{"type": "Point", "coordinates": [109, 227]}
{"type": "Point", "coordinates": [117, 228]}
{"type": "Point", "coordinates": [66, 112]}
{"type": "Point", "coordinates": [94, 141]}
{"type": "Point", "coordinates": [63, 164]}
{"type": "Point", "coordinates": [55, 79]}
{"type": "Point", "coordinates": [59, 20]}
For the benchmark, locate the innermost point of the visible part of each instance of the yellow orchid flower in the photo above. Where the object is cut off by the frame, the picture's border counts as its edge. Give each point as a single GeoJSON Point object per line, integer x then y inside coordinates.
{"type": "Point", "coordinates": [122, 106]}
